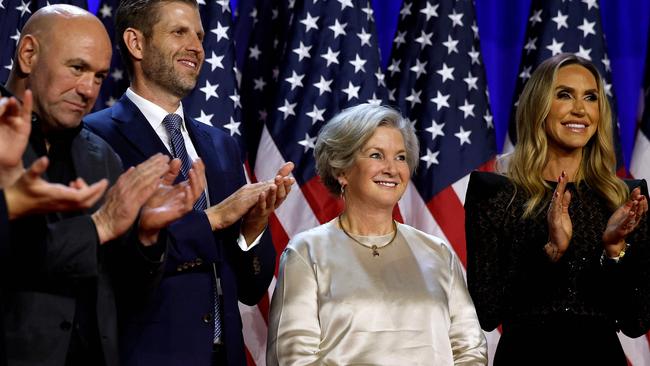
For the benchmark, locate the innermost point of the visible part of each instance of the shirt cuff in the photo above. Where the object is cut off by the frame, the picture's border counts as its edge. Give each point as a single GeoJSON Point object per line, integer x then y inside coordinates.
{"type": "Point", "coordinates": [241, 241]}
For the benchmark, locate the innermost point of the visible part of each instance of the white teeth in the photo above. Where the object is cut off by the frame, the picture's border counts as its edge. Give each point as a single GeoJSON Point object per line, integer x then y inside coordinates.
{"type": "Point", "coordinates": [575, 125]}
{"type": "Point", "coordinates": [387, 184]}
{"type": "Point", "coordinates": [188, 63]}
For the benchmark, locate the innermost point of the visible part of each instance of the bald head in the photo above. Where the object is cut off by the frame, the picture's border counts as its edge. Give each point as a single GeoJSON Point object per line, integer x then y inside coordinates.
{"type": "Point", "coordinates": [46, 17]}
{"type": "Point", "coordinates": [63, 55]}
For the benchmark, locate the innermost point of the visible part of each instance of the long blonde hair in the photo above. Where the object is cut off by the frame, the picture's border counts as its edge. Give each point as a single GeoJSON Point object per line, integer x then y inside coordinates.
{"type": "Point", "coordinates": [598, 164]}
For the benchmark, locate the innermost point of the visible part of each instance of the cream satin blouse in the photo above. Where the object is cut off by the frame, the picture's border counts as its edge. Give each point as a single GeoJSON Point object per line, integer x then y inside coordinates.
{"type": "Point", "coordinates": [337, 304]}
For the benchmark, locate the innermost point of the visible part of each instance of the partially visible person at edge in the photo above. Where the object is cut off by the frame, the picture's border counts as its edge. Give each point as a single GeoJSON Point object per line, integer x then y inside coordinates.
{"type": "Point", "coordinates": [363, 289]}
{"type": "Point", "coordinates": [59, 297]}
{"type": "Point", "coordinates": [221, 252]}
{"type": "Point", "coordinates": [27, 192]}
{"type": "Point", "coordinates": [557, 245]}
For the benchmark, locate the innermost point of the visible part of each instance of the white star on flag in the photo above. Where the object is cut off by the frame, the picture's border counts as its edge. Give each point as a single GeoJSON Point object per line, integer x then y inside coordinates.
{"type": "Point", "coordinates": [302, 51]}
{"type": "Point", "coordinates": [352, 91]}
{"type": "Point", "coordinates": [419, 68]}
{"type": "Point", "coordinates": [446, 72]}
{"type": "Point", "coordinates": [456, 19]}
{"type": "Point", "coordinates": [331, 56]}
{"type": "Point", "coordinates": [205, 118]}
{"type": "Point", "coordinates": [295, 80]}
{"type": "Point", "coordinates": [310, 22]}
{"type": "Point", "coordinates": [323, 85]}
{"type": "Point", "coordinates": [287, 109]}
{"type": "Point", "coordinates": [440, 100]}
{"type": "Point", "coordinates": [430, 10]}
{"type": "Point", "coordinates": [210, 90]}
{"type": "Point", "coordinates": [358, 64]}
{"type": "Point", "coordinates": [436, 130]}
{"type": "Point", "coordinates": [463, 136]}
{"type": "Point", "coordinates": [215, 61]}
{"type": "Point", "coordinates": [233, 127]}
{"type": "Point", "coordinates": [430, 158]}
{"type": "Point", "coordinates": [220, 31]}
{"type": "Point", "coordinates": [468, 109]}
{"type": "Point", "coordinates": [338, 28]}
{"type": "Point", "coordinates": [316, 115]}
{"type": "Point", "coordinates": [555, 47]}
{"type": "Point", "coordinates": [561, 20]}
{"type": "Point", "coordinates": [308, 142]}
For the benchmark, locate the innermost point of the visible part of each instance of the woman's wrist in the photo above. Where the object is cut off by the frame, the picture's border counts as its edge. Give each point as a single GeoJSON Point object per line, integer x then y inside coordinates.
{"type": "Point", "coordinates": [613, 250]}
{"type": "Point", "coordinates": [553, 252]}
{"type": "Point", "coordinates": [608, 258]}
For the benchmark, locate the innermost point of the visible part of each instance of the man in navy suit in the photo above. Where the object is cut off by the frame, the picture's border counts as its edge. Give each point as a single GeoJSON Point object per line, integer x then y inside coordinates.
{"type": "Point", "coordinates": [220, 253]}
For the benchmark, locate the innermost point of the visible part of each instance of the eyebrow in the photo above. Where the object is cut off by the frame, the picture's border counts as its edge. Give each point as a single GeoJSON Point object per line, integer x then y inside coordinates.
{"type": "Point", "coordinates": [568, 88]}
{"type": "Point", "coordinates": [380, 149]}
{"type": "Point", "coordinates": [85, 65]}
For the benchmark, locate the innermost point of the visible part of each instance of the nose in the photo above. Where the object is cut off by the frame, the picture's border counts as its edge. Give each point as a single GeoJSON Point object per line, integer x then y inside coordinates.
{"type": "Point", "coordinates": [87, 87]}
{"type": "Point", "coordinates": [578, 107]}
{"type": "Point", "coordinates": [390, 167]}
{"type": "Point", "coordinates": [195, 45]}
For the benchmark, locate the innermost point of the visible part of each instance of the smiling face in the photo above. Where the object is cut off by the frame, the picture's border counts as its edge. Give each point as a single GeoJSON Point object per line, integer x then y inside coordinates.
{"type": "Point", "coordinates": [73, 60]}
{"type": "Point", "coordinates": [574, 114]}
{"type": "Point", "coordinates": [380, 173]}
{"type": "Point", "coordinates": [173, 54]}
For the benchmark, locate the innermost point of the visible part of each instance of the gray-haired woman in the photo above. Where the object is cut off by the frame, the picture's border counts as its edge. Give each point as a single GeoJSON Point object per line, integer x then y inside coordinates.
{"type": "Point", "coordinates": [363, 289]}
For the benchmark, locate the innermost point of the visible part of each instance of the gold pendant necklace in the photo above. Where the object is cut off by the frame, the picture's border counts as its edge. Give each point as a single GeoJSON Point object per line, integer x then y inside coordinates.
{"type": "Point", "coordinates": [374, 248]}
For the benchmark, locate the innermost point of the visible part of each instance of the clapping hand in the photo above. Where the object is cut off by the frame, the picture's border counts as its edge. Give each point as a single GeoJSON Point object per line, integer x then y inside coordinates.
{"type": "Point", "coordinates": [15, 126]}
{"type": "Point", "coordinates": [31, 194]}
{"type": "Point", "coordinates": [127, 196]}
{"type": "Point", "coordinates": [623, 221]}
{"type": "Point", "coordinates": [560, 228]}
{"type": "Point", "coordinates": [257, 217]}
{"type": "Point", "coordinates": [170, 202]}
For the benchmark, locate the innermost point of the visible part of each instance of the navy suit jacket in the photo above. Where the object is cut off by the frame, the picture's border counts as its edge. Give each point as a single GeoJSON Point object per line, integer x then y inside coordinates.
{"type": "Point", "coordinates": [176, 327]}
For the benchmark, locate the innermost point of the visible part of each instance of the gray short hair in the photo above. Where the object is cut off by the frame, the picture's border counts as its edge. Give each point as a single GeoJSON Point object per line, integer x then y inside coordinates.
{"type": "Point", "coordinates": [346, 133]}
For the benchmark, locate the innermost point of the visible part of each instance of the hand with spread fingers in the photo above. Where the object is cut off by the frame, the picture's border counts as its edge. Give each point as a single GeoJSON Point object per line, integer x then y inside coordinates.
{"type": "Point", "coordinates": [31, 194]}
{"type": "Point", "coordinates": [125, 198]}
{"type": "Point", "coordinates": [235, 206]}
{"type": "Point", "coordinates": [257, 217]}
{"type": "Point", "coordinates": [15, 126]}
{"type": "Point", "coordinates": [560, 228]}
{"type": "Point", "coordinates": [170, 201]}
{"type": "Point", "coordinates": [623, 222]}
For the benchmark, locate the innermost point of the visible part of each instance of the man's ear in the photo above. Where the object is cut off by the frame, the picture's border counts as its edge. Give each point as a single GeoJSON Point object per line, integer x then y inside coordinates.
{"type": "Point", "coordinates": [27, 54]}
{"type": "Point", "coordinates": [133, 39]}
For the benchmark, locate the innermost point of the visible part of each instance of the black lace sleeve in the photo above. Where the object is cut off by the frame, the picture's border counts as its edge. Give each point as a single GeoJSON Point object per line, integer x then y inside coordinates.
{"type": "Point", "coordinates": [630, 279]}
{"type": "Point", "coordinates": [485, 206]}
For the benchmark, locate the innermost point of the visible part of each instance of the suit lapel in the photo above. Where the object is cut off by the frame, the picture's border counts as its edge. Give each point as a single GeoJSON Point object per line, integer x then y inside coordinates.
{"type": "Point", "coordinates": [206, 150]}
{"type": "Point", "coordinates": [136, 130]}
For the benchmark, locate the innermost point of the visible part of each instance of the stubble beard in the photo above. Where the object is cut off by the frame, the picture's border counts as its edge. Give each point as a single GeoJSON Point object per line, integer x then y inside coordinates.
{"type": "Point", "coordinates": [163, 73]}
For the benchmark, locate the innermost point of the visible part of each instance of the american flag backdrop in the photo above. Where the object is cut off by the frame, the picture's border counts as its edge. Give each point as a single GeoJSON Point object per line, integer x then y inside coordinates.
{"type": "Point", "coordinates": [215, 100]}
{"type": "Point", "coordinates": [13, 16]}
{"type": "Point", "coordinates": [118, 80]}
{"type": "Point", "coordinates": [302, 61]}
{"type": "Point", "coordinates": [557, 26]}
{"type": "Point", "coordinates": [436, 77]}
{"type": "Point", "coordinates": [261, 32]}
